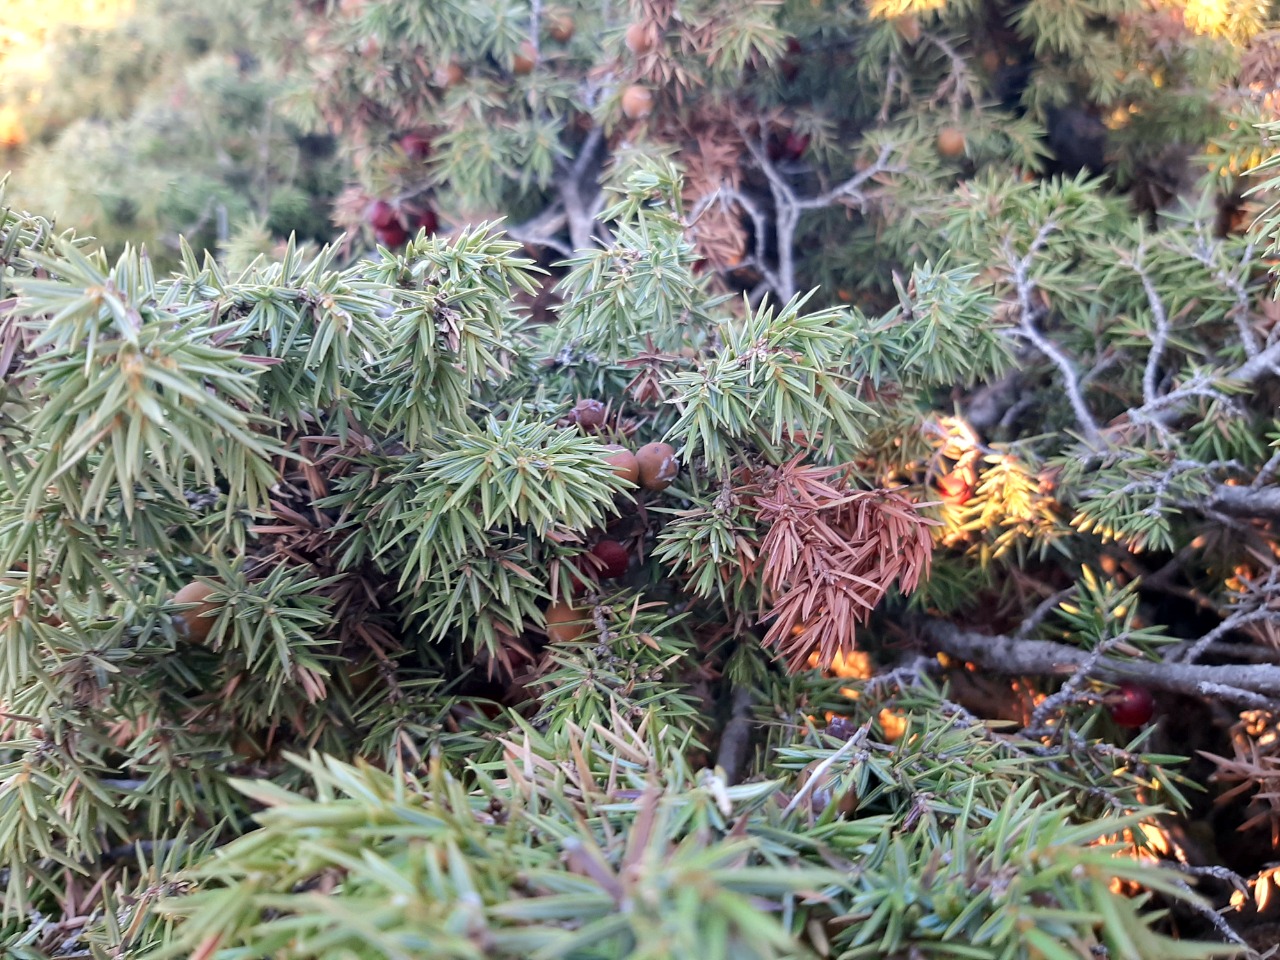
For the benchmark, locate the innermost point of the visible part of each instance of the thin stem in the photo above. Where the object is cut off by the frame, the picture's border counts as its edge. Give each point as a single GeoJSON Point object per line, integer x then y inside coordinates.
{"type": "Point", "coordinates": [1024, 286]}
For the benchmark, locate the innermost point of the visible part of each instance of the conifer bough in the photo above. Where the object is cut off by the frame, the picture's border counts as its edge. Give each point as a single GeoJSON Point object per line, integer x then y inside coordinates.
{"type": "Point", "coordinates": [387, 492]}
{"type": "Point", "coordinates": [1019, 440]}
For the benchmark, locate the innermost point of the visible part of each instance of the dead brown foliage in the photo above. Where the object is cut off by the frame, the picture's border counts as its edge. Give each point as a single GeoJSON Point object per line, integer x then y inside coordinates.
{"type": "Point", "coordinates": [830, 555]}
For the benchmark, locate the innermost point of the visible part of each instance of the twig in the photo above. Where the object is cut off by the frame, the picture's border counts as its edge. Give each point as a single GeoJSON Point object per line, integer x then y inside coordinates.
{"type": "Point", "coordinates": [1235, 621]}
{"type": "Point", "coordinates": [849, 188]}
{"type": "Point", "coordinates": [1218, 873]}
{"type": "Point", "coordinates": [788, 206]}
{"type": "Point", "coordinates": [1040, 753]}
{"type": "Point", "coordinates": [1267, 472]}
{"type": "Point", "coordinates": [1203, 250]}
{"type": "Point", "coordinates": [1067, 692]}
{"type": "Point", "coordinates": [820, 770]}
{"type": "Point", "coordinates": [892, 76]}
{"type": "Point", "coordinates": [580, 210]}
{"type": "Point", "coordinates": [1046, 606]}
{"type": "Point", "coordinates": [1160, 335]}
{"type": "Point", "coordinates": [1248, 652]}
{"type": "Point", "coordinates": [955, 81]}
{"type": "Point", "coordinates": [1212, 915]}
{"type": "Point", "coordinates": [535, 28]}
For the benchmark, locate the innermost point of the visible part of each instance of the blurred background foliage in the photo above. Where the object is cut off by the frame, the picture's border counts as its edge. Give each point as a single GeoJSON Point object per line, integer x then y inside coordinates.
{"type": "Point", "coordinates": [146, 120]}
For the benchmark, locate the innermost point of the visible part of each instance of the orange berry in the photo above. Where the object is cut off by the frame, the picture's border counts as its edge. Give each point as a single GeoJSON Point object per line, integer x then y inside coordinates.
{"type": "Point", "coordinates": [362, 676]}
{"type": "Point", "coordinates": [566, 623]}
{"type": "Point", "coordinates": [640, 39]}
{"type": "Point", "coordinates": [623, 462]}
{"type": "Point", "coordinates": [951, 142]}
{"type": "Point", "coordinates": [450, 75]}
{"type": "Point", "coordinates": [588, 414]}
{"type": "Point", "coordinates": [637, 102]}
{"type": "Point", "coordinates": [525, 60]}
{"type": "Point", "coordinates": [956, 488]}
{"type": "Point", "coordinates": [561, 26]}
{"type": "Point", "coordinates": [246, 746]}
{"type": "Point", "coordinates": [658, 465]}
{"type": "Point", "coordinates": [194, 624]}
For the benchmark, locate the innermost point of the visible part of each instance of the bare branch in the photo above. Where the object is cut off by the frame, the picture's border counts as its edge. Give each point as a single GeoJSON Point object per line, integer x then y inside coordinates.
{"type": "Point", "coordinates": [850, 189]}
{"type": "Point", "coordinates": [1160, 335]}
{"type": "Point", "coordinates": [760, 224]}
{"type": "Point", "coordinates": [535, 28]}
{"type": "Point", "coordinates": [1259, 366]}
{"type": "Point", "coordinates": [735, 741]}
{"type": "Point", "coordinates": [1246, 501]}
{"type": "Point", "coordinates": [1253, 605]}
{"type": "Point", "coordinates": [1068, 691]}
{"type": "Point", "coordinates": [541, 230]}
{"type": "Point", "coordinates": [1267, 472]}
{"type": "Point", "coordinates": [954, 86]}
{"type": "Point", "coordinates": [786, 216]}
{"type": "Point", "coordinates": [1046, 606]}
{"type": "Point", "coordinates": [1021, 268]}
{"type": "Point", "coordinates": [590, 146]}
{"type": "Point", "coordinates": [1254, 685]}
{"type": "Point", "coordinates": [580, 193]}
{"type": "Point", "coordinates": [850, 745]}
{"type": "Point", "coordinates": [788, 208]}
{"type": "Point", "coordinates": [1204, 250]}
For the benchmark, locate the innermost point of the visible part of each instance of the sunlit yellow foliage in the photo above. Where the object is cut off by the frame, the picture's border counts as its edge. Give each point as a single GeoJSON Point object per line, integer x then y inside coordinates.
{"type": "Point", "coordinates": [854, 665]}
{"type": "Point", "coordinates": [893, 723]}
{"type": "Point", "coordinates": [11, 132]}
{"type": "Point", "coordinates": [891, 9]}
{"type": "Point", "coordinates": [1119, 118]}
{"type": "Point", "coordinates": [25, 26]}
{"type": "Point", "coordinates": [33, 18]}
{"type": "Point", "coordinates": [1236, 20]}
